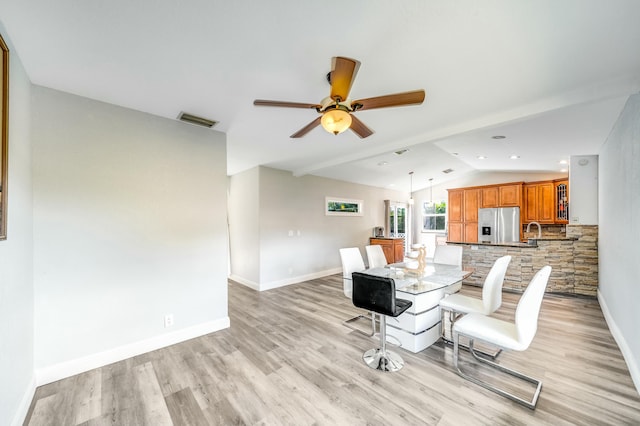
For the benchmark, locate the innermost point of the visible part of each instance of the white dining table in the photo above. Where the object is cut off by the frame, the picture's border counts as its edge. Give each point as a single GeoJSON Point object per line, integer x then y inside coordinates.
{"type": "Point", "coordinates": [420, 326]}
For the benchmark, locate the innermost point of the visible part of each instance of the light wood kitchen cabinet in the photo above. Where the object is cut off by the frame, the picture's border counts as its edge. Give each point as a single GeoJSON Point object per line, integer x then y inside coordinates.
{"type": "Point", "coordinates": [471, 232]}
{"type": "Point", "coordinates": [393, 248]}
{"type": "Point", "coordinates": [544, 202]}
{"type": "Point", "coordinates": [454, 207]}
{"type": "Point", "coordinates": [539, 202]}
{"type": "Point", "coordinates": [490, 197]}
{"type": "Point", "coordinates": [463, 214]}
{"type": "Point", "coordinates": [456, 232]}
{"type": "Point", "coordinates": [455, 223]}
{"type": "Point", "coordinates": [472, 200]}
{"type": "Point", "coordinates": [510, 195]}
{"type": "Point", "coordinates": [561, 191]}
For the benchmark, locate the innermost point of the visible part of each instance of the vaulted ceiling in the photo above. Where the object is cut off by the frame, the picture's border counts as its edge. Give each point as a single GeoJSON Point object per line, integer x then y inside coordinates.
{"type": "Point", "coordinates": [551, 76]}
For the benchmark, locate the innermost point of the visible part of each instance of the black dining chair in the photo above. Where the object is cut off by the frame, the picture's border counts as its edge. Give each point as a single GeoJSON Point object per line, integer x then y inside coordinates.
{"type": "Point", "coordinates": [378, 295]}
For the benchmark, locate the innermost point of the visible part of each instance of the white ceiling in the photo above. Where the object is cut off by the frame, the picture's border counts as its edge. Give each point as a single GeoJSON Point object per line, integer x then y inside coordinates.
{"type": "Point", "coordinates": [552, 76]}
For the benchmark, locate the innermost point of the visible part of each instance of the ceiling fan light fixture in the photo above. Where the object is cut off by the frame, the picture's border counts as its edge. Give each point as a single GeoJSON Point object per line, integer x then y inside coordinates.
{"type": "Point", "coordinates": [336, 121]}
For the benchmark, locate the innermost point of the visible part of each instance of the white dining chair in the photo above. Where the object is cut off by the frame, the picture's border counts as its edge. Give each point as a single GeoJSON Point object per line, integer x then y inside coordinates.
{"type": "Point", "coordinates": [448, 255]}
{"type": "Point", "coordinates": [516, 336]}
{"type": "Point", "coordinates": [352, 261]}
{"type": "Point", "coordinates": [375, 256]}
{"type": "Point", "coordinates": [459, 304]}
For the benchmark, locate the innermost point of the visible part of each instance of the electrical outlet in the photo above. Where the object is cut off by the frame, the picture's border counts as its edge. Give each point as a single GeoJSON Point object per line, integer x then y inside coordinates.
{"type": "Point", "coordinates": [168, 320]}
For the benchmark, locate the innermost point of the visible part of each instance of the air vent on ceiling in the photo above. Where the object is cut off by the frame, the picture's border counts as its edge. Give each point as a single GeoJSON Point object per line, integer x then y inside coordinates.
{"type": "Point", "coordinates": [189, 118]}
{"type": "Point", "coordinates": [400, 151]}
{"type": "Point", "coordinates": [447, 171]}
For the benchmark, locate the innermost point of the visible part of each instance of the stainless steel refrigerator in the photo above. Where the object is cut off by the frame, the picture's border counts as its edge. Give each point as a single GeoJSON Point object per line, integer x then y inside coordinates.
{"type": "Point", "coordinates": [499, 225]}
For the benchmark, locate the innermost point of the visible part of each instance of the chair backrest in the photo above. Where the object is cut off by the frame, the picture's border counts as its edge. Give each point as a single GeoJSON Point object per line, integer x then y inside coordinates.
{"type": "Point", "coordinates": [352, 261]}
{"type": "Point", "coordinates": [373, 293]}
{"type": "Point", "coordinates": [448, 255]}
{"type": "Point", "coordinates": [492, 288]}
{"type": "Point", "coordinates": [529, 306]}
{"type": "Point", "coordinates": [375, 256]}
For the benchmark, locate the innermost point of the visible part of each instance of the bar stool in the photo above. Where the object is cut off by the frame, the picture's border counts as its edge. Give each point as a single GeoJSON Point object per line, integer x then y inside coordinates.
{"type": "Point", "coordinates": [378, 294]}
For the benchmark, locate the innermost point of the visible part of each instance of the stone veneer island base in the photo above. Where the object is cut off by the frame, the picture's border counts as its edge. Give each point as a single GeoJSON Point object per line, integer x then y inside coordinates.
{"type": "Point", "coordinates": [573, 257]}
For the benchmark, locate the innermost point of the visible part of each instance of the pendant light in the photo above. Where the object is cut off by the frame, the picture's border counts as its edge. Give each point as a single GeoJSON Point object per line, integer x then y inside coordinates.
{"type": "Point", "coordinates": [410, 189]}
{"type": "Point", "coordinates": [431, 191]}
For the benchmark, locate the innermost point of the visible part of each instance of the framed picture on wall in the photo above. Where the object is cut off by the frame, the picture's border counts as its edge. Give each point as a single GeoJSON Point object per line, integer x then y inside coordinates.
{"type": "Point", "coordinates": [342, 207]}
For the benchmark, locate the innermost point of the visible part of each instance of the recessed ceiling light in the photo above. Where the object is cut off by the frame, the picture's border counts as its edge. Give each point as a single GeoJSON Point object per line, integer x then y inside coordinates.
{"type": "Point", "coordinates": [498, 137]}
{"type": "Point", "coordinates": [482, 157]}
{"type": "Point", "coordinates": [514, 157]}
{"type": "Point", "coordinates": [382, 163]}
{"type": "Point", "coordinates": [563, 170]}
{"type": "Point", "coordinates": [563, 162]}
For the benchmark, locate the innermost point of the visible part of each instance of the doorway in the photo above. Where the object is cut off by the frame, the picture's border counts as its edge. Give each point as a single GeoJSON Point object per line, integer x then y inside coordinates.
{"type": "Point", "coordinates": [399, 223]}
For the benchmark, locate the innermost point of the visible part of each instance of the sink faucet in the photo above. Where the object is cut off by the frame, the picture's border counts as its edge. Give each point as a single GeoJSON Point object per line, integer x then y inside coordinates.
{"type": "Point", "coordinates": [539, 228]}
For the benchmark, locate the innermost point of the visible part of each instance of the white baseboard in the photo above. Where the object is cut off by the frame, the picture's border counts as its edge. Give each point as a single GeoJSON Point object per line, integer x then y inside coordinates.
{"type": "Point", "coordinates": [23, 409]}
{"type": "Point", "coordinates": [251, 284]}
{"type": "Point", "coordinates": [634, 369]}
{"type": "Point", "coordinates": [285, 282]}
{"type": "Point", "coordinates": [80, 365]}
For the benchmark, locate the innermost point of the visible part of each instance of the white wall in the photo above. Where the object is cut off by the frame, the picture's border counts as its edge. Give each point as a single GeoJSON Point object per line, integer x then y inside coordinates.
{"type": "Point", "coordinates": [289, 203]}
{"type": "Point", "coordinates": [583, 190]}
{"type": "Point", "coordinates": [16, 252]}
{"type": "Point", "coordinates": [129, 225]}
{"type": "Point", "coordinates": [619, 233]}
{"type": "Point", "coordinates": [244, 227]}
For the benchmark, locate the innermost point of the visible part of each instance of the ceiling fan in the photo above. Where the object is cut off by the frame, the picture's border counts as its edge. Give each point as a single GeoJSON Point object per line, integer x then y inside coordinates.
{"type": "Point", "coordinates": [336, 109]}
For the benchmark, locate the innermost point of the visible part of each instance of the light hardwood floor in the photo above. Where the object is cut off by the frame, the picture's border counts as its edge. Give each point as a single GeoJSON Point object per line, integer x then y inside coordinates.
{"type": "Point", "coordinates": [288, 360]}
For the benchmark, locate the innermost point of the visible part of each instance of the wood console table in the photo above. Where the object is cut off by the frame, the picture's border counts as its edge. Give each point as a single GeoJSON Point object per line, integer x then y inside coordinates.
{"type": "Point", "coordinates": [393, 248]}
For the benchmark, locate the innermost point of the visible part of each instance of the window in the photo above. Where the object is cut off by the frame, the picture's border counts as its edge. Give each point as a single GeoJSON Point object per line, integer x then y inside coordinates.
{"type": "Point", "coordinates": [434, 216]}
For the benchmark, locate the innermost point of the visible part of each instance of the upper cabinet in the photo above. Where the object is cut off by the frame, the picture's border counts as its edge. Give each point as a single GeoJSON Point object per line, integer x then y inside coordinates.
{"type": "Point", "coordinates": [539, 199]}
{"type": "Point", "coordinates": [490, 197]}
{"type": "Point", "coordinates": [510, 195]}
{"type": "Point", "coordinates": [561, 200]}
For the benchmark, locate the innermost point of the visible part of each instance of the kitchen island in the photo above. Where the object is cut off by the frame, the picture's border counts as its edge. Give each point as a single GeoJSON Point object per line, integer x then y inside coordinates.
{"type": "Point", "coordinates": [573, 257]}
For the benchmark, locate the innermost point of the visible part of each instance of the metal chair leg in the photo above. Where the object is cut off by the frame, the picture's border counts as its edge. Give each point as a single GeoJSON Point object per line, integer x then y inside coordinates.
{"type": "Point", "coordinates": [349, 322]}
{"type": "Point", "coordinates": [452, 319]}
{"type": "Point", "coordinates": [380, 358]}
{"type": "Point", "coordinates": [529, 404]}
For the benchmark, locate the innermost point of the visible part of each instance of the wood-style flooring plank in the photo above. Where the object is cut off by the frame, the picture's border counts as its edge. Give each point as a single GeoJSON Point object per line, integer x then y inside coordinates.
{"type": "Point", "coordinates": [184, 409]}
{"type": "Point", "coordinates": [287, 359]}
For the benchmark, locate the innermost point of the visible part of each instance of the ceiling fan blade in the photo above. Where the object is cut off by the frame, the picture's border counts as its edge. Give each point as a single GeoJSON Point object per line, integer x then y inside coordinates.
{"type": "Point", "coordinates": [306, 129]}
{"type": "Point", "coordinates": [398, 99]}
{"type": "Point", "coordinates": [359, 128]}
{"type": "Point", "coordinates": [343, 72]}
{"type": "Point", "coordinates": [261, 102]}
